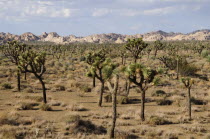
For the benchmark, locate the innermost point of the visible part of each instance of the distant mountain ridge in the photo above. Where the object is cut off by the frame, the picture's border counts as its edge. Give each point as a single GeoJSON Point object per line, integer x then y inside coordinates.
{"type": "Point", "coordinates": [106, 38]}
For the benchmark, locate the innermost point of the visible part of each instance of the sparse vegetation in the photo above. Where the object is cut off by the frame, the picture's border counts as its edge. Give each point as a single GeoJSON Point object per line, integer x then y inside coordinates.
{"type": "Point", "coordinates": [143, 99]}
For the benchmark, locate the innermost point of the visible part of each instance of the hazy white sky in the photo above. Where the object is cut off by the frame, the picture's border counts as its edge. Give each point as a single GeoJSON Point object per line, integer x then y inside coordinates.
{"type": "Point", "coordinates": [86, 17]}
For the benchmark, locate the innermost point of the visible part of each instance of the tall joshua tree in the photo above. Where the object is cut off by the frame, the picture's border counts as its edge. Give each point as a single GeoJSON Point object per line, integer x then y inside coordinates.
{"type": "Point", "coordinates": [113, 89]}
{"type": "Point", "coordinates": [135, 47]}
{"type": "Point", "coordinates": [35, 63]}
{"type": "Point", "coordinates": [109, 74]}
{"type": "Point", "coordinates": [97, 69]}
{"type": "Point", "coordinates": [13, 50]}
{"type": "Point", "coordinates": [142, 77]}
{"type": "Point", "coordinates": [188, 82]}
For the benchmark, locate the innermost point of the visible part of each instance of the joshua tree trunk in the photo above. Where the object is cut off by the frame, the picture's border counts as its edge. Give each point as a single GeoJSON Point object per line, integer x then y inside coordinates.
{"type": "Point", "coordinates": [124, 61]}
{"type": "Point", "coordinates": [114, 114]}
{"type": "Point", "coordinates": [135, 60]}
{"type": "Point", "coordinates": [156, 52]}
{"type": "Point", "coordinates": [148, 56]}
{"type": "Point", "coordinates": [127, 88]}
{"type": "Point", "coordinates": [18, 80]}
{"type": "Point", "coordinates": [113, 90]}
{"type": "Point", "coordinates": [25, 75]}
{"type": "Point", "coordinates": [189, 103]}
{"type": "Point", "coordinates": [94, 81]}
{"type": "Point", "coordinates": [142, 105]}
{"type": "Point", "coordinates": [43, 89]}
{"type": "Point", "coordinates": [177, 69]}
{"type": "Point", "coordinates": [101, 94]}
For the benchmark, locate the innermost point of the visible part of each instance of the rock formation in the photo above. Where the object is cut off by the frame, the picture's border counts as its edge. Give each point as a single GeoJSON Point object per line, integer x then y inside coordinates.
{"type": "Point", "coordinates": [105, 38]}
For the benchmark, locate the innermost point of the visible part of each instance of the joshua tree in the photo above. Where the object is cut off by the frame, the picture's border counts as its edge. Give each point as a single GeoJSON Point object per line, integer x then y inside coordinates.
{"type": "Point", "coordinates": [35, 63]}
{"type": "Point", "coordinates": [56, 51]}
{"type": "Point", "coordinates": [109, 74]}
{"type": "Point", "coordinates": [142, 77]}
{"type": "Point", "coordinates": [198, 48]}
{"type": "Point", "coordinates": [90, 60]}
{"type": "Point", "coordinates": [113, 89]}
{"type": "Point", "coordinates": [135, 47]}
{"type": "Point", "coordinates": [158, 45]}
{"type": "Point", "coordinates": [97, 69]}
{"type": "Point", "coordinates": [148, 51]}
{"type": "Point", "coordinates": [188, 82]}
{"type": "Point", "coordinates": [123, 55]}
{"type": "Point", "coordinates": [13, 50]}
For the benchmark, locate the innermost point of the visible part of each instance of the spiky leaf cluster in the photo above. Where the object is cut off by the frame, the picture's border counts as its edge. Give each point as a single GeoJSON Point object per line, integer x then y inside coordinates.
{"type": "Point", "coordinates": [159, 45]}
{"type": "Point", "coordinates": [35, 61]}
{"type": "Point", "coordinates": [188, 82]}
{"type": "Point", "coordinates": [135, 46]}
{"type": "Point", "coordinates": [13, 50]}
{"type": "Point", "coordinates": [100, 66]}
{"type": "Point", "coordinates": [140, 75]}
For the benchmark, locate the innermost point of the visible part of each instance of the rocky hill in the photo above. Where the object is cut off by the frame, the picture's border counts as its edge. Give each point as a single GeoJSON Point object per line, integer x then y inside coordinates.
{"type": "Point", "coordinates": [103, 38]}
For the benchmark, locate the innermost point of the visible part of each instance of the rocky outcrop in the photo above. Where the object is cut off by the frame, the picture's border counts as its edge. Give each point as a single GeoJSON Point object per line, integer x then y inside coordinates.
{"type": "Point", "coordinates": [106, 38]}
{"type": "Point", "coordinates": [28, 37]}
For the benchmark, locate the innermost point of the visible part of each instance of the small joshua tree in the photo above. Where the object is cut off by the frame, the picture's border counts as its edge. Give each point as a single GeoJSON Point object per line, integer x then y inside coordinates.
{"type": "Point", "coordinates": [35, 63]}
{"type": "Point", "coordinates": [198, 48]}
{"type": "Point", "coordinates": [148, 50]}
{"type": "Point", "coordinates": [13, 50]}
{"type": "Point", "coordinates": [123, 55]}
{"type": "Point", "coordinates": [158, 45]}
{"type": "Point", "coordinates": [188, 82]}
{"type": "Point", "coordinates": [90, 60]}
{"type": "Point", "coordinates": [97, 69]}
{"type": "Point", "coordinates": [135, 47]}
{"type": "Point", "coordinates": [142, 77]}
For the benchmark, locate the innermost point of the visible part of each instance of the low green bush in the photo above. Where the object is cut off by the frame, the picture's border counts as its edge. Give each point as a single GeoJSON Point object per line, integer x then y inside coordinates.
{"type": "Point", "coordinates": [6, 86]}
{"type": "Point", "coordinates": [159, 93]}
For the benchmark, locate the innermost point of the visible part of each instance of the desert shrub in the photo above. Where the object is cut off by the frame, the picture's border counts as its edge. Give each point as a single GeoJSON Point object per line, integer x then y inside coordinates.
{"type": "Point", "coordinates": [6, 86]}
{"type": "Point", "coordinates": [35, 98]}
{"type": "Point", "coordinates": [171, 136]}
{"type": "Point", "coordinates": [195, 128]}
{"type": "Point", "coordinates": [164, 102]}
{"type": "Point", "coordinates": [208, 58]}
{"type": "Point", "coordinates": [198, 101]}
{"type": "Point", "coordinates": [45, 107]}
{"type": "Point", "coordinates": [60, 87]}
{"type": "Point", "coordinates": [82, 58]}
{"type": "Point", "coordinates": [6, 119]}
{"type": "Point", "coordinates": [85, 88]}
{"type": "Point", "coordinates": [77, 125]}
{"type": "Point", "coordinates": [73, 83]}
{"type": "Point", "coordinates": [83, 126]}
{"type": "Point", "coordinates": [188, 70]}
{"type": "Point", "coordinates": [159, 93]}
{"type": "Point", "coordinates": [29, 90]}
{"type": "Point", "coordinates": [26, 106]}
{"type": "Point", "coordinates": [54, 103]}
{"type": "Point", "coordinates": [155, 120]}
{"type": "Point", "coordinates": [122, 100]}
{"type": "Point", "coordinates": [108, 98]}
{"type": "Point", "coordinates": [72, 118]}
{"type": "Point", "coordinates": [8, 134]}
{"type": "Point", "coordinates": [124, 135]}
{"type": "Point", "coordinates": [76, 107]}
{"type": "Point", "coordinates": [205, 53]}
